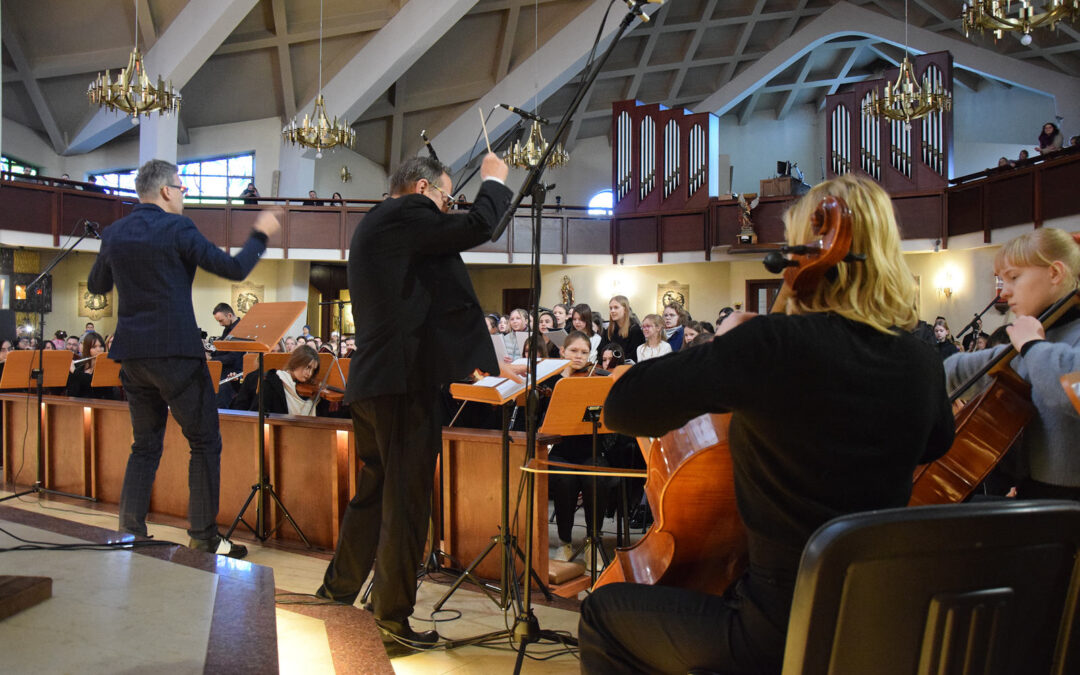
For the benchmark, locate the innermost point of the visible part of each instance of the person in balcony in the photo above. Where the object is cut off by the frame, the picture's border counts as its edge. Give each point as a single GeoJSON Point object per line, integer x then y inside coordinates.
{"type": "Point", "coordinates": [1050, 140]}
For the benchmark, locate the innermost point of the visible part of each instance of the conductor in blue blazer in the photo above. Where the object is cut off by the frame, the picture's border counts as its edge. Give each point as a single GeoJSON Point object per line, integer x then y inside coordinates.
{"type": "Point", "coordinates": [150, 256]}
{"type": "Point", "coordinates": [418, 325]}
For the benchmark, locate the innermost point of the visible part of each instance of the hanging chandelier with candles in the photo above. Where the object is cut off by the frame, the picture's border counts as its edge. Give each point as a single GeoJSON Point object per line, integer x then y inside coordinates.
{"type": "Point", "coordinates": [133, 93]}
{"type": "Point", "coordinates": [319, 132]}
{"type": "Point", "coordinates": [993, 15]}
{"type": "Point", "coordinates": [528, 155]}
{"type": "Point", "coordinates": [904, 99]}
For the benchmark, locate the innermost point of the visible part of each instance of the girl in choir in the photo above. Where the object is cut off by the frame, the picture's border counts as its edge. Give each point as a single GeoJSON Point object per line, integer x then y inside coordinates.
{"type": "Point", "coordinates": [581, 320]}
{"type": "Point", "coordinates": [519, 326]}
{"type": "Point", "coordinates": [807, 390]}
{"type": "Point", "coordinates": [1038, 269]}
{"type": "Point", "coordinates": [945, 345]}
{"type": "Point", "coordinates": [690, 331]}
{"type": "Point", "coordinates": [652, 327]}
{"type": "Point", "coordinates": [562, 314]}
{"type": "Point", "coordinates": [492, 324]}
{"type": "Point", "coordinates": [547, 323]}
{"type": "Point", "coordinates": [675, 320]}
{"type": "Point", "coordinates": [622, 329]}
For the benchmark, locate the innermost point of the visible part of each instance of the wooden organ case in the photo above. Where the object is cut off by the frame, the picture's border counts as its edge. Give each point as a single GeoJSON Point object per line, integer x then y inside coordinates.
{"type": "Point", "coordinates": [902, 158]}
{"type": "Point", "coordinates": [663, 159]}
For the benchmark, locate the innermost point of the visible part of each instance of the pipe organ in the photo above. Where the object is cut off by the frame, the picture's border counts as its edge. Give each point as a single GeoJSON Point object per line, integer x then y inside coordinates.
{"type": "Point", "coordinates": [903, 158]}
{"type": "Point", "coordinates": [663, 159]}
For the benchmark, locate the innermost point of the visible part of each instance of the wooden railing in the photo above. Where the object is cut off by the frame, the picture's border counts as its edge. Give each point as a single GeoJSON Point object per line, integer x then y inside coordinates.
{"type": "Point", "coordinates": [1033, 193]}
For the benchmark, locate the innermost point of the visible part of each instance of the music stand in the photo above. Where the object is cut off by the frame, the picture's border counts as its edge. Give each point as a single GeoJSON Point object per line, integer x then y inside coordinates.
{"type": "Point", "coordinates": [215, 374]}
{"type": "Point", "coordinates": [21, 371]}
{"type": "Point", "coordinates": [501, 391]}
{"type": "Point", "coordinates": [258, 331]}
{"type": "Point", "coordinates": [106, 372]}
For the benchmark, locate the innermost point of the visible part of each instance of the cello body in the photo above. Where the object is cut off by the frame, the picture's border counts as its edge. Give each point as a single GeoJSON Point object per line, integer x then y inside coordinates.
{"type": "Point", "coordinates": [985, 430]}
{"type": "Point", "coordinates": [697, 540]}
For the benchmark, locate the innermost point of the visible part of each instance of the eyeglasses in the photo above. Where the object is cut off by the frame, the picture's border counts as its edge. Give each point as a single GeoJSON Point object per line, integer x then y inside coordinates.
{"type": "Point", "coordinates": [183, 190]}
{"type": "Point", "coordinates": [447, 199]}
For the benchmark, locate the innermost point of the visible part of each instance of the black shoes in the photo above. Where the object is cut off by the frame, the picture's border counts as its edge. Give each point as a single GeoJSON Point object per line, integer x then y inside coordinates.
{"type": "Point", "coordinates": [401, 632]}
{"type": "Point", "coordinates": [219, 546]}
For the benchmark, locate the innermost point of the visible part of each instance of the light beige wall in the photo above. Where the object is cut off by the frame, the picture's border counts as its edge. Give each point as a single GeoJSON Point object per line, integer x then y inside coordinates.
{"type": "Point", "coordinates": [714, 285]}
{"type": "Point", "coordinates": [969, 273]}
{"type": "Point", "coordinates": [207, 291]}
{"type": "Point", "coordinates": [710, 284]}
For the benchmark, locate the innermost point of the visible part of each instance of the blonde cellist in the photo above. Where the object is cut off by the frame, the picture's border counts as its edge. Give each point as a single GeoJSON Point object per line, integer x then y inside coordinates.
{"type": "Point", "coordinates": [833, 404]}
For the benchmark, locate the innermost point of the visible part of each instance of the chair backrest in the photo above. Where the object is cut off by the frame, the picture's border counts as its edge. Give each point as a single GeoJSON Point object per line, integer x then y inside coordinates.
{"type": "Point", "coordinates": [982, 588]}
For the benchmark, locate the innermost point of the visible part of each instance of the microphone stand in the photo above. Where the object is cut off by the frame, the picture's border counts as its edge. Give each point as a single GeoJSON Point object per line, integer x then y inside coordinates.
{"type": "Point", "coordinates": [526, 627]}
{"type": "Point", "coordinates": [38, 374]}
{"type": "Point", "coordinates": [977, 321]}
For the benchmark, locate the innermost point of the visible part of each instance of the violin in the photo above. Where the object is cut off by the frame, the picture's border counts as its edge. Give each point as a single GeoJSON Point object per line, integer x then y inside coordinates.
{"type": "Point", "coordinates": [697, 540]}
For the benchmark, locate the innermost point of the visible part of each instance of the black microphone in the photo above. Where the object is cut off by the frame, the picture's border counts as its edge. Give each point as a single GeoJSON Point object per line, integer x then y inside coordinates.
{"type": "Point", "coordinates": [635, 7]}
{"type": "Point", "coordinates": [524, 113]}
{"type": "Point", "coordinates": [91, 229]}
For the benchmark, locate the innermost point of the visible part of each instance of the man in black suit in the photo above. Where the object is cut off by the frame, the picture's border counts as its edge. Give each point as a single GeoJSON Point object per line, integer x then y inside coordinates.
{"type": "Point", "coordinates": [231, 362]}
{"type": "Point", "coordinates": [418, 326]}
{"type": "Point", "coordinates": [151, 255]}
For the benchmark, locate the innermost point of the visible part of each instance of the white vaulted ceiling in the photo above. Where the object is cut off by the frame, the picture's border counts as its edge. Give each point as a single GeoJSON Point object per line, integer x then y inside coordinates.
{"type": "Point", "coordinates": [395, 67]}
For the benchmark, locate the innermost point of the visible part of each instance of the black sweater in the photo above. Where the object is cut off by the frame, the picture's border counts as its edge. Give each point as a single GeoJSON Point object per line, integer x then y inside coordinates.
{"type": "Point", "coordinates": [829, 417]}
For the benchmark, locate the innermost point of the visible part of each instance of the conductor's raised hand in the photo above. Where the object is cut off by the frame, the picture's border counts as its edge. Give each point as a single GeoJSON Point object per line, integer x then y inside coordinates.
{"type": "Point", "coordinates": [494, 167]}
{"type": "Point", "coordinates": [269, 221]}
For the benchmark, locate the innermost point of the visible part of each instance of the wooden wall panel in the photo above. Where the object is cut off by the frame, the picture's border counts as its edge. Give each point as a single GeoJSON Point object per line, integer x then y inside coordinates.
{"type": "Point", "coordinates": [635, 234]}
{"type": "Point", "coordinates": [26, 209]}
{"type": "Point", "coordinates": [966, 210]}
{"type": "Point", "coordinates": [684, 231]}
{"type": "Point", "coordinates": [76, 205]}
{"type": "Point", "coordinates": [211, 223]}
{"type": "Point", "coordinates": [67, 472]}
{"type": "Point", "coordinates": [1008, 200]}
{"type": "Point", "coordinates": [919, 215]}
{"type": "Point", "coordinates": [471, 485]}
{"type": "Point", "coordinates": [305, 466]}
{"type": "Point", "coordinates": [1057, 194]}
{"type": "Point", "coordinates": [313, 229]}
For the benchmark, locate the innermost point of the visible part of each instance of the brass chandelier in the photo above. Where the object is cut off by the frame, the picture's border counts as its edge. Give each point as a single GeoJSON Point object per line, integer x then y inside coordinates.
{"type": "Point", "coordinates": [527, 156]}
{"type": "Point", "coordinates": [318, 132]}
{"type": "Point", "coordinates": [904, 99]}
{"type": "Point", "coordinates": [132, 92]}
{"type": "Point", "coordinates": [991, 15]}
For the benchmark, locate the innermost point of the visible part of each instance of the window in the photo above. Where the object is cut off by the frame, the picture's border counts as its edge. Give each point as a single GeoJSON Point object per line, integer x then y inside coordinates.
{"type": "Point", "coordinates": [209, 181]}
{"type": "Point", "coordinates": [15, 166]}
{"type": "Point", "coordinates": [602, 203]}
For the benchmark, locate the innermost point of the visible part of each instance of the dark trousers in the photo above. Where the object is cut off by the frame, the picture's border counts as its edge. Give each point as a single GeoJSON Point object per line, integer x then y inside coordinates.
{"type": "Point", "coordinates": [564, 489]}
{"type": "Point", "coordinates": [633, 628]}
{"type": "Point", "coordinates": [154, 387]}
{"type": "Point", "coordinates": [397, 439]}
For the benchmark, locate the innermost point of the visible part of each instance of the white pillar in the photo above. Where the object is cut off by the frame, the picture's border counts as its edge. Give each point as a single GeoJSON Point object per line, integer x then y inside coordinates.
{"type": "Point", "coordinates": [157, 138]}
{"type": "Point", "coordinates": [297, 173]}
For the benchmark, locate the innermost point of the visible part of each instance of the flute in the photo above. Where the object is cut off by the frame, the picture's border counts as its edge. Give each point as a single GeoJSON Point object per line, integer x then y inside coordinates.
{"type": "Point", "coordinates": [234, 376]}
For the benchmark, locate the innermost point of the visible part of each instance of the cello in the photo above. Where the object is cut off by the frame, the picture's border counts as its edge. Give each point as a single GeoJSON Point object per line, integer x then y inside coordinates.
{"type": "Point", "coordinates": [985, 428]}
{"type": "Point", "coordinates": [697, 540]}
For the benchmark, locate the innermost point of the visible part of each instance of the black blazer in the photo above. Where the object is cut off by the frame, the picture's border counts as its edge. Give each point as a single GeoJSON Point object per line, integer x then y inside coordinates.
{"type": "Point", "coordinates": [151, 256]}
{"type": "Point", "coordinates": [418, 322]}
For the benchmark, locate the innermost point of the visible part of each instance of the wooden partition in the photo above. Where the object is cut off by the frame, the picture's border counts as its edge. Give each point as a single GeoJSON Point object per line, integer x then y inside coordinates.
{"type": "Point", "coordinates": [309, 461]}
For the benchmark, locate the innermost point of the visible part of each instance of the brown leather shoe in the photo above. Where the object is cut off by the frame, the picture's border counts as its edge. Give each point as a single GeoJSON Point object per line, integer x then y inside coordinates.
{"type": "Point", "coordinates": [401, 632]}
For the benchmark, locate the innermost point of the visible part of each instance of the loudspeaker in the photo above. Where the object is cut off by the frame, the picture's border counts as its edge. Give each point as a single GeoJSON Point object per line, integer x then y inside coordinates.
{"type": "Point", "coordinates": [7, 324]}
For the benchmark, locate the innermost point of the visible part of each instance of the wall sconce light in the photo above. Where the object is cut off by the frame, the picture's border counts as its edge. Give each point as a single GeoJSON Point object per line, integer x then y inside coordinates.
{"type": "Point", "coordinates": [947, 280]}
